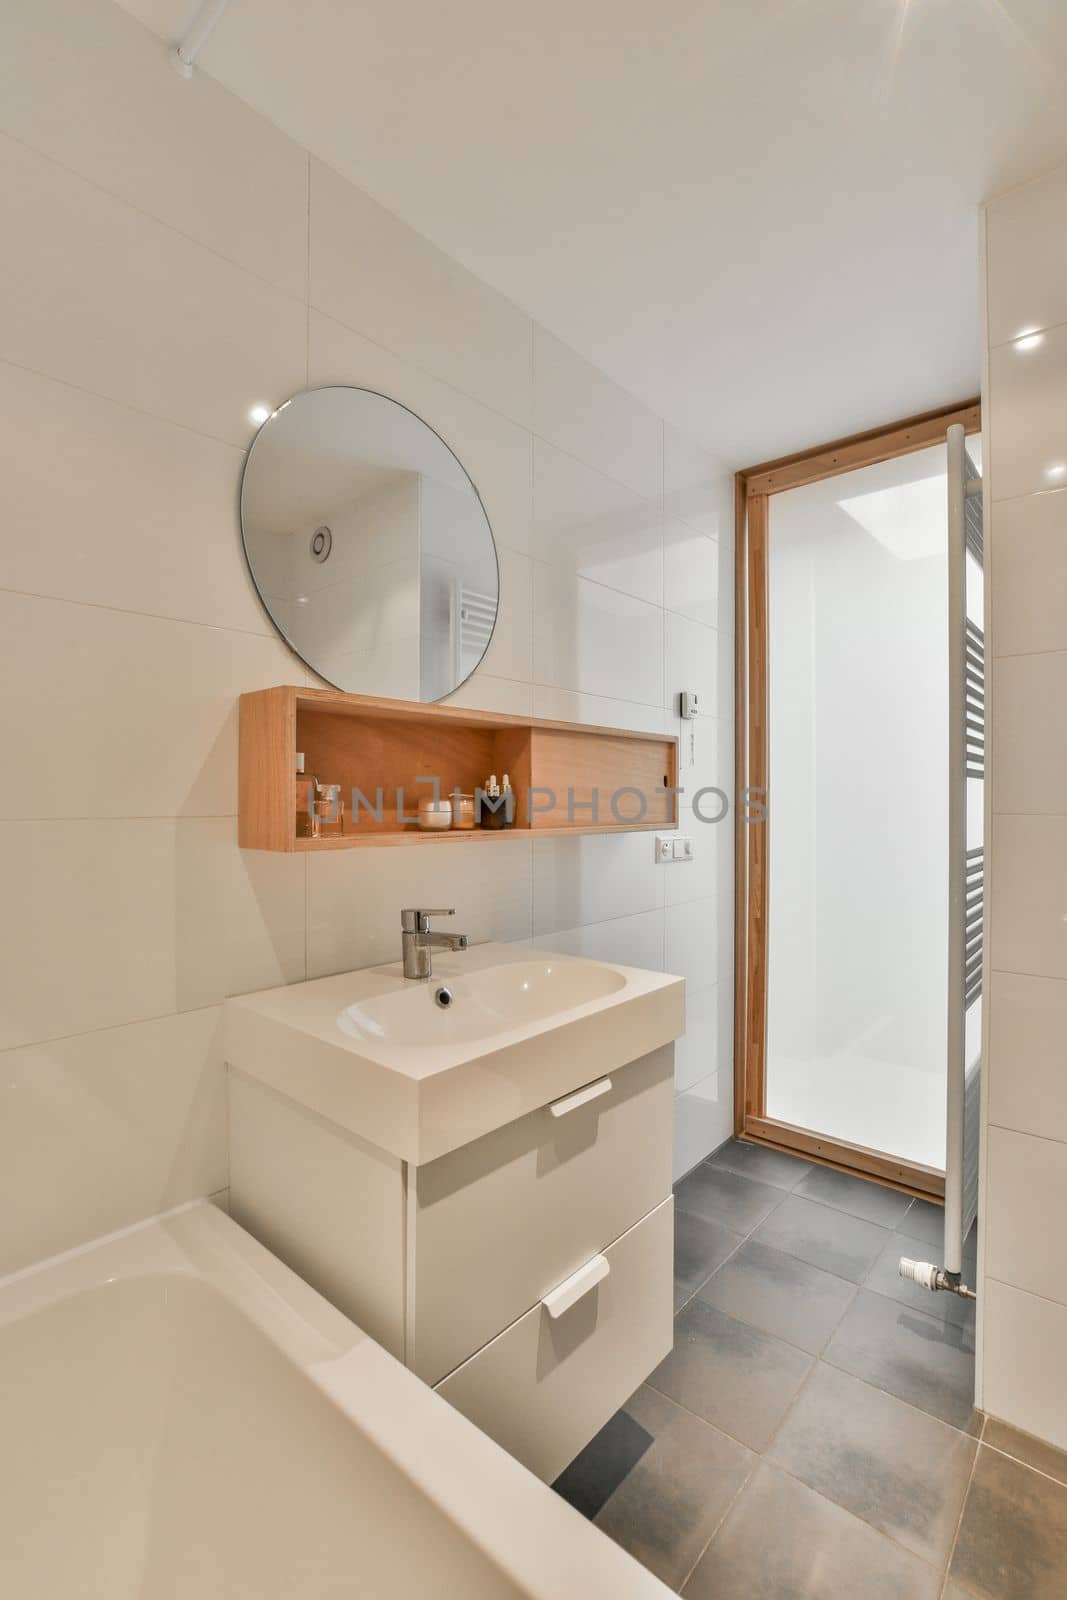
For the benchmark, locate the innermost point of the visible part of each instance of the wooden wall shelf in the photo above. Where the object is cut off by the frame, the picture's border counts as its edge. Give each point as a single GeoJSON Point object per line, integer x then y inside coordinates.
{"type": "Point", "coordinates": [367, 744]}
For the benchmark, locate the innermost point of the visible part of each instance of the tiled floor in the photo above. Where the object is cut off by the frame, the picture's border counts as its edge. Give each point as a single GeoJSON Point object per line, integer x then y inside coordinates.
{"type": "Point", "coordinates": [812, 1434]}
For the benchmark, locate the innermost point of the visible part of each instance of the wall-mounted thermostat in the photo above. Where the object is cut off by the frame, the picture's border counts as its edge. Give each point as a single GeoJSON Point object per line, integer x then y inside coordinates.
{"type": "Point", "coordinates": [689, 704]}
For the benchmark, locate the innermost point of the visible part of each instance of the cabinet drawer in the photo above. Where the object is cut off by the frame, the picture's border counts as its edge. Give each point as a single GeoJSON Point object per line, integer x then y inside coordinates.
{"type": "Point", "coordinates": [545, 1386]}
{"type": "Point", "coordinates": [495, 1225]}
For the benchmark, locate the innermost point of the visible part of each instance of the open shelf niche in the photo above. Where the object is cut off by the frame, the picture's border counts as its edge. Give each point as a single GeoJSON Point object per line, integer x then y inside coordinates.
{"type": "Point", "coordinates": [367, 744]}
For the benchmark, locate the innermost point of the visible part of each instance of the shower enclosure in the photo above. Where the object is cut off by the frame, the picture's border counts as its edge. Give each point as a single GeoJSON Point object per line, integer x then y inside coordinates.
{"type": "Point", "coordinates": [860, 908]}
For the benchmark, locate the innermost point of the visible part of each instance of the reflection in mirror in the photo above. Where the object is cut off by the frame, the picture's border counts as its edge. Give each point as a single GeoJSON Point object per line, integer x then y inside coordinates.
{"type": "Point", "coordinates": [369, 545]}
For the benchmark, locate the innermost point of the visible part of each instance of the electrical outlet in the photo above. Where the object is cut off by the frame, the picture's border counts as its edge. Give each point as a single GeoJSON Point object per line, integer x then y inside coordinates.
{"type": "Point", "coordinates": [664, 847]}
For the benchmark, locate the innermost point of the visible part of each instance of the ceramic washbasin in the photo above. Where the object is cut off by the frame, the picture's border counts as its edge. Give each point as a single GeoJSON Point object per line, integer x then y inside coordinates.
{"type": "Point", "coordinates": [377, 1054]}
{"type": "Point", "coordinates": [479, 1005]}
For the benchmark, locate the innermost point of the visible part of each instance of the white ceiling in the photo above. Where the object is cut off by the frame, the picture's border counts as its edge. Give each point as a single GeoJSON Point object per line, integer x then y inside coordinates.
{"type": "Point", "coordinates": [758, 215]}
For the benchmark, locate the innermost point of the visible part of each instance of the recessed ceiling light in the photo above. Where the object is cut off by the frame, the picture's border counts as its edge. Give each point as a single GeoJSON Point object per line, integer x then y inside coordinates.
{"type": "Point", "coordinates": [301, 599]}
{"type": "Point", "coordinates": [1058, 469]}
{"type": "Point", "coordinates": [259, 414]}
{"type": "Point", "coordinates": [1029, 340]}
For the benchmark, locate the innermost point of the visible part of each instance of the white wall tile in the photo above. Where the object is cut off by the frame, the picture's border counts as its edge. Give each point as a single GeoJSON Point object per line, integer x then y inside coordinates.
{"type": "Point", "coordinates": [1029, 542]}
{"type": "Point", "coordinates": [483, 692]}
{"type": "Point", "coordinates": [632, 941]}
{"type": "Point", "coordinates": [1026, 258]}
{"type": "Point", "coordinates": [510, 652]}
{"type": "Point", "coordinates": [697, 576]}
{"type": "Point", "coordinates": [692, 945]}
{"type": "Point", "coordinates": [1027, 407]}
{"type": "Point", "coordinates": [703, 1120]}
{"type": "Point", "coordinates": [102, 1129]}
{"type": "Point", "coordinates": [1024, 1338]}
{"type": "Point", "coordinates": [1026, 1179]}
{"type": "Point", "coordinates": [118, 741]}
{"type": "Point", "coordinates": [594, 526]}
{"type": "Point", "coordinates": [1030, 770]}
{"type": "Point", "coordinates": [238, 915]}
{"type": "Point", "coordinates": [355, 898]}
{"type": "Point", "coordinates": [87, 937]}
{"type": "Point", "coordinates": [116, 303]}
{"type": "Point", "coordinates": [697, 488]}
{"type": "Point", "coordinates": [1027, 1076]}
{"type": "Point", "coordinates": [496, 453]}
{"type": "Point", "coordinates": [116, 508]}
{"type": "Point", "coordinates": [596, 640]}
{"type": "Point", "coordinates": [117, 921]}
{"type": "Point", "coordinates": [699, 878]}
{"type": "Point", "coordinates": [372, 272]}
{"type": "Point", "coordinates": [594, 877]}
{"type": "Point", "coordinates": [582, 411]}
{"type": "Point", "coordinates": [182, 150]}
{"type": "Point", "coordinates": [698, 1053]}
{"type": "Point", "coordinates": [602, 711]}
{"type": "Point", "coordinates": [692, 662]}
{"type": "Point", "coordinates": [1029, 895]}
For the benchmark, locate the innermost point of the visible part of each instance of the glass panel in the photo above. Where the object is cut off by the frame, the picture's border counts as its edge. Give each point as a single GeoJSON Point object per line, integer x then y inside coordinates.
{"type": "Point", "coordinates": [858, 807]}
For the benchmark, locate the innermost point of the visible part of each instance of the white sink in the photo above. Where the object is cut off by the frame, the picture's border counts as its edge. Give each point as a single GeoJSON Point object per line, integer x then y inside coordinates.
{"type": "Point", "coordinates": [374, 1051]}
{"type": "Point", "coordinates": [480, 1004]}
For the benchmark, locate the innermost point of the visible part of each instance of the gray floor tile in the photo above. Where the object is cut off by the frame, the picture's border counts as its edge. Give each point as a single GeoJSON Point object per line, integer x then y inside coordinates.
{"type": "Point", "coordinates": [925, 1221]}
{"type": "Point", "coordinates": [782, 1541]}
{"type": "Point", "coordinates": [902, 1471]}
{"type": "Point", "coordinates": [884, 1277]}
{"type": "Point", "coordinates": [859, 1197]}
{"type": "Point", "coordinates": [1024, 1447]}
{"type": "Point", "coordinates": [1012, 1543]}
{"type": "Point", "coordinates": [780, 1294]}
{"type": "Point", "coordinates": [920, 1359]}
{"type": "Point", "coordinates": [736, 1377]}
{"type": "Point", "coordinates": [699, 1247]}
{"type": "Point", "coordinates": [756, 1161]}
{"type": "Point", "coordinates": [666, 1504]}
{"type": "Point", "coordinates": [725, 1197]}
{"type": "Point", "coordinates": [832, 1240]}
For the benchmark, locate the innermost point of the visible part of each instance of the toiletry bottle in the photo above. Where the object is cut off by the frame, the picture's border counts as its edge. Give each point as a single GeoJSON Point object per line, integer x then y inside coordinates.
{"type": "Point", "coordinates": [508, 797]}
{"type": "Point", "coordinates": [305, 788]}
{"type": "Point", "coordinates": [492, 812]}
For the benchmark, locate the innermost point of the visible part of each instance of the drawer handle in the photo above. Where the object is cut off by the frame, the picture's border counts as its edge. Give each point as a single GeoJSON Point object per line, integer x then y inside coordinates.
{"type": "Point", "coordinates": [571, 1290]}
{"type": "Point", "coordinates": [580, 1097]}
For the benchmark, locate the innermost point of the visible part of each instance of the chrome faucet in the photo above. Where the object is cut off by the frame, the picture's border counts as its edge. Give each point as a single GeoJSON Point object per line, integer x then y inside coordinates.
{"type": "Point", "coordinates": [416, 941]}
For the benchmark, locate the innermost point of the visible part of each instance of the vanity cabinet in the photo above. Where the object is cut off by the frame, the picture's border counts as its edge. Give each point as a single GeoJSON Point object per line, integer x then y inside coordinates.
{"type": "Point", "coordinates": [526, 1274]}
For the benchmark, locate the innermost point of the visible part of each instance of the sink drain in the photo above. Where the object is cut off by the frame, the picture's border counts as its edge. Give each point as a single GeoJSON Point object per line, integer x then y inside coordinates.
{"type": "Point", "coordinates": [444, 997]}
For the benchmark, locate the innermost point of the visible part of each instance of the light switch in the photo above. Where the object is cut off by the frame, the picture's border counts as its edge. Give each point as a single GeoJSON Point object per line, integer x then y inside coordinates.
{"type": "Point", "coordinates": [682, 849]}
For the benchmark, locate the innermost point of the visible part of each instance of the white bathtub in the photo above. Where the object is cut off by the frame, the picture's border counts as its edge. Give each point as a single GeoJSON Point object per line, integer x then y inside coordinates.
{"type": "Point", "coordinates": [181, 1416]}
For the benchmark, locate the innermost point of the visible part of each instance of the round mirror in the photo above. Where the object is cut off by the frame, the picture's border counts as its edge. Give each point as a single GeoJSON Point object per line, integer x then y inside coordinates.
{"type": "Point", "coordinates": [369, 545]}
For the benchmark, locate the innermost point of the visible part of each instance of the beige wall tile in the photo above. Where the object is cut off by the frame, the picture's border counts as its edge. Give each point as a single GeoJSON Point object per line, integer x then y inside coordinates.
{"type": "Point", "coordinates": [1029, 895]}
{"type": "Point", "coordinates": [1030, 769]}
{"type": "Point", "coordinates": [372, 272]}
{"type": "Point", "coordinates": [1024, 1341]}
{"type": "Point", "coordinates": [103, 1129]}
{"type": "Point", "coordinates": [116, 508]}
{"type": "Point", "coordinates": [1030, 560]}
{"type": "Point", "coordinates": [1027, 1034]}
{"type": "Point", "coordinates": [583, 412]}
{"type": "Point", "coordinates": [1027, 417]}
{"type": "Point", "coordinates": [117, 740]}
{"type": "Point", "coordinates": [1026, 1180]}
{"type": "Point", "coordinates": [108, 299]}
{"type": "Point", "coordinates": [1026, 258]}
{"type": "Point", "coordinates": [182, 150]}
{"type": "Point", "coordinates": [355, 898]}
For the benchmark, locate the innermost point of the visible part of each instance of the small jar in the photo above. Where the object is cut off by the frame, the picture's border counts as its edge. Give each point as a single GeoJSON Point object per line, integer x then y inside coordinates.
{"type": "Point", "coordinates": [463, 811]}
{"type": "Point", "coordinates": [329, 809]}
{"type": "Point", "coordinates": [435, 816]}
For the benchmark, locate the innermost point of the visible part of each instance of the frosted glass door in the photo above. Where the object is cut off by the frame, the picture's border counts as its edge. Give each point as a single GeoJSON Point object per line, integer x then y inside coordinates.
{"type": "Point", "coordinates": [858, 807]}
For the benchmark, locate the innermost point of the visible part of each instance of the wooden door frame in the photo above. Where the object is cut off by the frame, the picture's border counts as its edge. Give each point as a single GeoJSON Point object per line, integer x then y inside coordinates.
{"type": "Point", "coordinates": [753, 490]}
